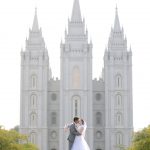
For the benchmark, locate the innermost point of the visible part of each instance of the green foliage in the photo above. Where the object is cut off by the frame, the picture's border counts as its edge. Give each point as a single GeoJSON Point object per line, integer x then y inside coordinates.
{"type": "Point", "coordinates": [16, 128]}
{"type": "Point", "coordinates": [141, 140]}
{"type": "Point", "coordinates": [12, 140]}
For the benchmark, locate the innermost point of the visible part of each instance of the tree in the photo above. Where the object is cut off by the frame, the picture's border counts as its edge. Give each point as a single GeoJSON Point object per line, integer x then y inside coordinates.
{"type": "Point", "coordinates": [12, 140]}
{"type": "Point", "coordinates": [141, 140]}
{"type": "Point", "coordinates": [16, 128]}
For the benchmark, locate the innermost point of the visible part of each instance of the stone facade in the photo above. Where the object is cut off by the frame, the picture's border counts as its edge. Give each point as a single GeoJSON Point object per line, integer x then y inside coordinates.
{"type": "Point", "coordinates": [47, 104]}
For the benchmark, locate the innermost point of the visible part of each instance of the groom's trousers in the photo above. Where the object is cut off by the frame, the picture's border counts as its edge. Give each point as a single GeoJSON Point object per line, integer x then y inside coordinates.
{"type": "Point", "coordinates": [70, 145]}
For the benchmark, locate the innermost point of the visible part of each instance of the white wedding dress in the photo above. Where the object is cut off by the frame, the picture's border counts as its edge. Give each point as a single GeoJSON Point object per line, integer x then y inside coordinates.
{"type": "Point", "coordinates": [79, 142]}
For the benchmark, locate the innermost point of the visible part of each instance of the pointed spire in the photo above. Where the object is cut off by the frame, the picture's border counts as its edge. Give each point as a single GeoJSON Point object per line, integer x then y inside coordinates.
{"type": "Point", "coordinates": [76, 13]}
{"type": "Point", "coordinates": [35, 26]}
{"type": "Point", "coordinates": [130, 48]}
{"type": "Point", "coordinates": [117, 22]}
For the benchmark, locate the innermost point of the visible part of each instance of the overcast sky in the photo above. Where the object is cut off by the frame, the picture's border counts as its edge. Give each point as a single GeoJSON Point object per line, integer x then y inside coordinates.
{"type": "Point", "coordinates": [16, 17]}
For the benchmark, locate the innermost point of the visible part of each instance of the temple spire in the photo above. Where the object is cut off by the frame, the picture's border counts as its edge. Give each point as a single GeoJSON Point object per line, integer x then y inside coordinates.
{"type": "Point", "coordinates": [76, 12]}
{"type": "Point", "coordinates": [117, 22]}
{"type": "Point", "coordinates": [35, 26]}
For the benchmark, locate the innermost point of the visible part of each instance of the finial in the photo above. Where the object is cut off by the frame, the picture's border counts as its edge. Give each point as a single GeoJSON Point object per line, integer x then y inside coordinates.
{"type": "Point", "coordinates": [35, 10]}
{"type": "Point", "coordinates": [61, 41]}
{"type": "Point", "coordinates": [86, 30]}
{"type": "Point", "coordinates": [83, 19]}
{"type": "Point", "coordinates": [35, 26]}
{"type": "Point", "coordinates": [130, 48]}
{"type": "Point", "coordinates": [65, 31]}
{"type": "Point", "coordinates": [125, 37]}
{"type": "Point", "coordinates": [91, 40]}
{"type": "Point", "coordinates": [116, 8]}
{"type": "Point", "coordinates": [76, 13]}
{"type": "Point", "coordinates": [117, 23]}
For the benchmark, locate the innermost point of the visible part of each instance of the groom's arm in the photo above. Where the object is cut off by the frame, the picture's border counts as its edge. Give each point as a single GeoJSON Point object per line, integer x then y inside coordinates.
{"type": "Point", "coordinates": [74, 131]}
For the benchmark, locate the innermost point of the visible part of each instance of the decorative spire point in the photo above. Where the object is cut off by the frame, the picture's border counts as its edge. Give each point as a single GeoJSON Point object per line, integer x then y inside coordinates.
{"type": "Point", "coordinates": [117, 22]}
{"type": "Point", "coordinates": [61, 41]}
{"type": "Point", "coordinates": [35, 10]}
{"type": "Point", "coordinates": [76, 12]}
{"type": "Point", "coordinates": [130, 48]}
{"type": "Point", "coordinates": [116, 8]}
{"type": "Point", "coordinates": [35, 26]}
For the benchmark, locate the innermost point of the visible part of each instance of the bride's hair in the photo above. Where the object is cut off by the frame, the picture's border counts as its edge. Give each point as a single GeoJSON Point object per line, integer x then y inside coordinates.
{"type": "Point", "coordinates": [82, 121]}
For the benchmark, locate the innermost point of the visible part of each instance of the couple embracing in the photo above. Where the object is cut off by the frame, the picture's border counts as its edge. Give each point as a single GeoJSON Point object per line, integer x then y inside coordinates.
{"type": "Point", "coordinates": [77, 132]}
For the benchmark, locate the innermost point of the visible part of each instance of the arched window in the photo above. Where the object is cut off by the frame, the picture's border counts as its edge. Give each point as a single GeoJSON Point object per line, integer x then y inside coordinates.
{"type": "Point", "coordinates": [76, 105]}
{"type": "Point", "coordinates": [33, 101]}
{"type": "Point", "coordinates": [118, 100]}
{"type": "Point", "coordinates": [33, 138]}
{"type": "Point", "coordinates": [98, 96]}
{"type": "Point", "coordinates": [33, 119]}
{"type": "Point", "coordinates": [53, 96]}
{"type": "Point", "coordinates": [98, 134]}
{"type": "Point", "coordinates": [76, 77]}
{"type": "Point", "coordinates": [119, 138]}
{"type": "Point", "coordinates": [118, 81]}
{"type": "Point", "coordinates": [99, 118]}
{"type": "Point", "coordinates": [53, 134]}
{"type": "Point", "coordinates": [119, 119]}
{"type": "Point", "coordinates": [34, 81]}
{"type": "Point", "coordinates": [53, 118]}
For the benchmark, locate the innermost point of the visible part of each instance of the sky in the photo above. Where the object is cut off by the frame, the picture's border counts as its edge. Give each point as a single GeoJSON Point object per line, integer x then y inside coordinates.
{"type": "Point", "coordinates": [16, 17]}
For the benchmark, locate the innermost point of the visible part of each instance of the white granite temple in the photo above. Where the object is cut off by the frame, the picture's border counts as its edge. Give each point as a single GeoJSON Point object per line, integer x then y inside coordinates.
{"type": "Point", "coordinates": [48, 104]}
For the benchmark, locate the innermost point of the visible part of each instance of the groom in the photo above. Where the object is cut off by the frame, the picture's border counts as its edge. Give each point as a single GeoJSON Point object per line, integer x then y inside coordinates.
{"type": "Point", "coordinates": [73, 132]}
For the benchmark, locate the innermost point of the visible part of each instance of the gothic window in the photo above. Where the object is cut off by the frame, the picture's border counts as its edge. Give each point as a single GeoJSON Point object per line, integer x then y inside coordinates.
{"type": "Point", "coordinates": [33, 138]}
{"type": "Point", "coordinates": [33, 101]}
{"type": "Point", "coordinates": [33, 119]}
{"type": "Point", "coordinates": [119, 119]}
{"type": "Point", "coordinates": [34, 81]}
{"type": "Point", "coordinates": [98, 134]}
{"type": "Point", "coordinates": [76, 77]}
{"type": "Point", "coordinates": [118, 100]}
{"type": "Point", "coordinates": [53, 134]}
{"type": "Point", "coordinates": [99, 118]}
{"type": "Point", "coordinates": [118, 81]}
{"type": "Point", "coordinates": [119, 138]}
{"type": "Point", "coordinates": [53, 118]}
{"type": "Point", "coordinates": [98, 96]}
{"type": "Point", "coordinates": [53, 96]}
{"type": "Point", "coordinates": [76, 106]}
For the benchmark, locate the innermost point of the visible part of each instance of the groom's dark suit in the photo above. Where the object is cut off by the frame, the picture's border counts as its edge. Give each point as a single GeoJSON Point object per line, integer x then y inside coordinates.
{"type": "Point", "coordinates": [72, 135]}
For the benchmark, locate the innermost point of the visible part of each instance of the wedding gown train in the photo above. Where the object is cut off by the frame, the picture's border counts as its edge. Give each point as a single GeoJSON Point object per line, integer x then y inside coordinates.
{"type": "Point", "coordinates": [79, 142]}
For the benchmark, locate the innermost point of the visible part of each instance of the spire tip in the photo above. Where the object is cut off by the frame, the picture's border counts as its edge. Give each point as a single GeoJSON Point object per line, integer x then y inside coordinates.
{"type": "Point", "coordinates": [116, 8]}
{"type": "Point", "coordinates": [117, 22]}
{"type": "Point", "coordinates": [76, 12]}
{"type": "Point", "coordinates": [35, 25]}
{"type": "Point", "coordinates": [35, 10]}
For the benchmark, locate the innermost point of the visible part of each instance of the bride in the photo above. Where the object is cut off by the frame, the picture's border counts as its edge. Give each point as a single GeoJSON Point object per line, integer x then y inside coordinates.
{"type": "Point", "coordinates": [79, 142]}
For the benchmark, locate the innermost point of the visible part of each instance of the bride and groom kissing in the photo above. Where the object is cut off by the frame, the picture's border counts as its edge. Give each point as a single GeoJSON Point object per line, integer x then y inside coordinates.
{"type": "Point", "coordinates": [77, 132]}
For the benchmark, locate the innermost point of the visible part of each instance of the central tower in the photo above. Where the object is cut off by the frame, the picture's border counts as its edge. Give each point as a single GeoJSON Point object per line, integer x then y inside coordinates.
{"type": "Point", "coordinates": [76, 76]}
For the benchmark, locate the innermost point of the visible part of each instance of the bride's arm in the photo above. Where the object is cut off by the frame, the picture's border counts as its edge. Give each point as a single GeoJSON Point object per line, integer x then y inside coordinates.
{"type": "Point", "coordinates": [80, 130]}
{"type": "Point", "coordinates": [66, 127]}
